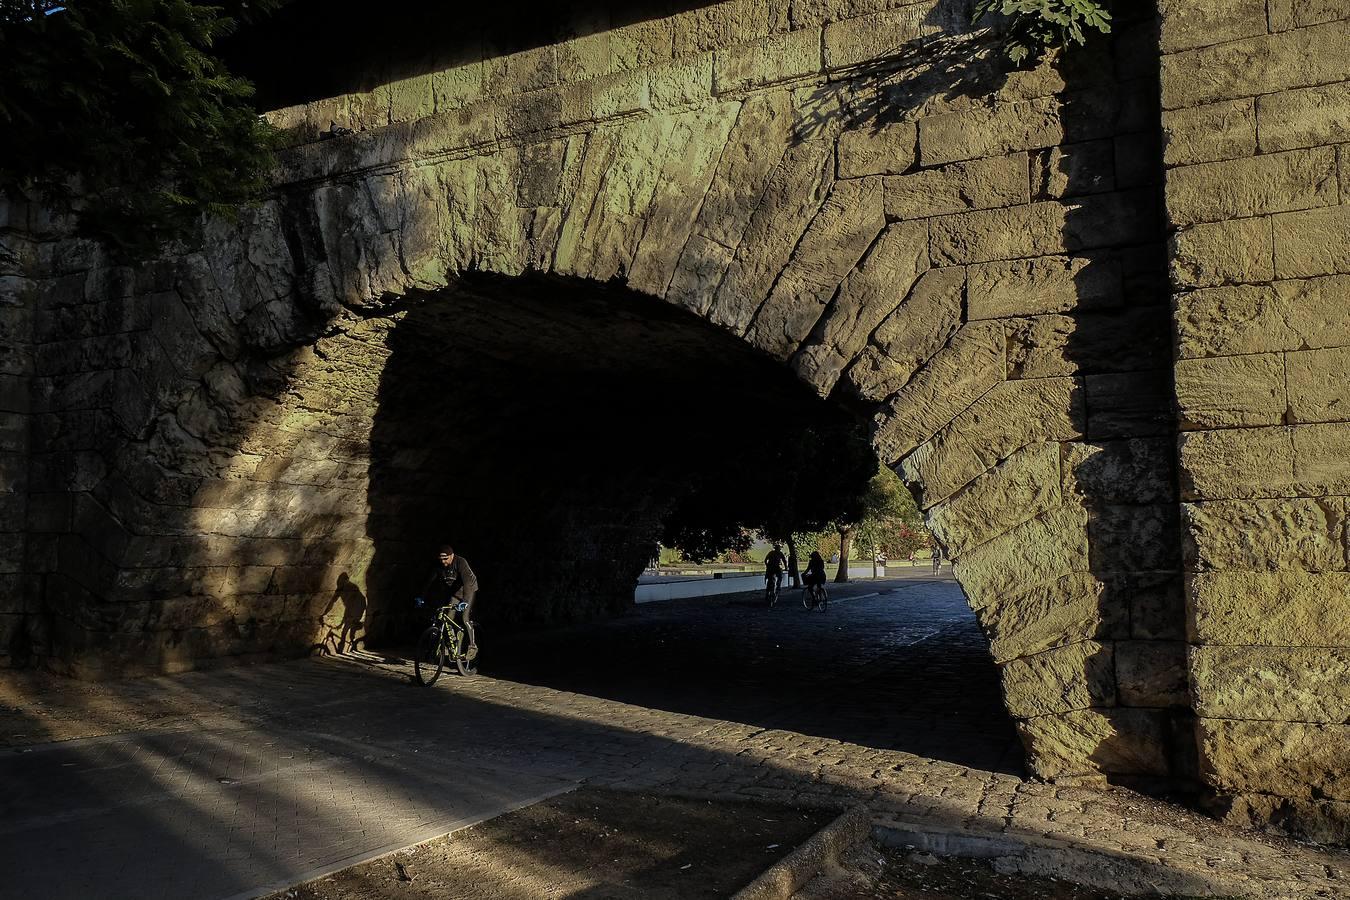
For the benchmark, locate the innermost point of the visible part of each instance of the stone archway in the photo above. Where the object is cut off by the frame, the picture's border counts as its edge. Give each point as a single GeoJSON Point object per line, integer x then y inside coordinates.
{"type": "Point", "coordinates": [985, 273]}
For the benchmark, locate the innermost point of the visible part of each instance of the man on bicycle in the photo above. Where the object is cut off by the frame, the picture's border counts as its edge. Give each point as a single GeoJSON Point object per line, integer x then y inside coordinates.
{"type": "Point", "coordinates": [452, 582]}
{"type": "Point", "coordinates": [774, 565]}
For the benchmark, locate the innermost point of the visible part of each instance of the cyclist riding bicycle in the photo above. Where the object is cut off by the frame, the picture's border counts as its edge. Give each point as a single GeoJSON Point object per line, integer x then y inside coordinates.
{"type": "Point", "coordinates": [774, 565]}
{"type": "Point", "coordinates": [453, 581]}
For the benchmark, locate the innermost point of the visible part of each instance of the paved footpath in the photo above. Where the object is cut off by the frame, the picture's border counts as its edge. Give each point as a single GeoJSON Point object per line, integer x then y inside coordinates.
{"type": "Point", "coordinates": [222, 784]}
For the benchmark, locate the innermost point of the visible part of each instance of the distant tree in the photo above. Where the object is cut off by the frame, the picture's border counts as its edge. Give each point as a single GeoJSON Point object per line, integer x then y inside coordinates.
{"type": "Point", "coordinates": [118, 111]}
{"type": "Point", "coordinates": [886, 506]}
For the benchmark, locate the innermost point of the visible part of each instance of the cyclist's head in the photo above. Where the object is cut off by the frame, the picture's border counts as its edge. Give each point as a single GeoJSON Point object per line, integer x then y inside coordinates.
{"type": "Point", "coordinates": [447, 554]}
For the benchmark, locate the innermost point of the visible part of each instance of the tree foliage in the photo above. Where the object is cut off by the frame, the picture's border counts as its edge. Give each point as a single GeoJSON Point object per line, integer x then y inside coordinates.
{"type": "Point", "coordinates": [792, 484]}
{"type": "Point", "coordinates": [119, 111]}
{"type": "Point", "coordinates": [888, 513]}
{"type": "Point", "coordinates": [1038, 27]}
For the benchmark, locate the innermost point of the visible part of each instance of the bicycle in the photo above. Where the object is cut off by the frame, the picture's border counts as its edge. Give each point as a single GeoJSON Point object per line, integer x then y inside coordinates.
{"type": "Point", "coordinates": [816, 597]}
{"type": "Point", "coordinates": [771, 580]}
{"type": "Point", "coordinates": [444, 640]}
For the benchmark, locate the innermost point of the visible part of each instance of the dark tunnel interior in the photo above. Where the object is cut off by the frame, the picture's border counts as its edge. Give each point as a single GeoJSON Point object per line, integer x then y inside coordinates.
{"type": "Point", "coordinates": [547, 428]}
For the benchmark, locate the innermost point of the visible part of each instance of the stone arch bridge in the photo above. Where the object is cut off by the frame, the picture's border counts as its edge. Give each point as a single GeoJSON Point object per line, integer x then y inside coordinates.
{"type": "Point", "coordinates": [1093, 314]}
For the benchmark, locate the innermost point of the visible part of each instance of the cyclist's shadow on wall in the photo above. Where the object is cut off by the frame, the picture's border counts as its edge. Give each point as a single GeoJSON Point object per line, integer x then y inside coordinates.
{"type": "Point", "coordinates": [344, 619]}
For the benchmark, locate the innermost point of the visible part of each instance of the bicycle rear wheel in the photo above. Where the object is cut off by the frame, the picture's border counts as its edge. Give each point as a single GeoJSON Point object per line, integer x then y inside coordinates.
{"type": "Point", "coordinates": [428, 661]}
{"type": "Point", "coordinates": [465, 665]}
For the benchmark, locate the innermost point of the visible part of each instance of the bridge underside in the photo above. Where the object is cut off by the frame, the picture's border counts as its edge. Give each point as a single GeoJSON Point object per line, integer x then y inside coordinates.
{"type": "Point", "coordinates": [224, 453]}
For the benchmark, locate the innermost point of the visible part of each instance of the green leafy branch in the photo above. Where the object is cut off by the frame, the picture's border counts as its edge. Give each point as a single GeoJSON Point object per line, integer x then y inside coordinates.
{"type": "Point", "coordinates": [1038, 27]}
{"type": "Point", "coordinates": [120, 111]}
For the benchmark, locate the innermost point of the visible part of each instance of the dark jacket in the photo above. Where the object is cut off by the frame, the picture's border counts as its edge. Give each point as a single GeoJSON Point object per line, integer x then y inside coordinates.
{"type": "Point", "coordinates": [451, 583]}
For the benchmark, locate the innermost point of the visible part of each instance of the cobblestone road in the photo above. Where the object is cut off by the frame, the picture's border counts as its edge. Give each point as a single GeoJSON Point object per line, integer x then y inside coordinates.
{"type": "Point", "coordinates": [224, 783]}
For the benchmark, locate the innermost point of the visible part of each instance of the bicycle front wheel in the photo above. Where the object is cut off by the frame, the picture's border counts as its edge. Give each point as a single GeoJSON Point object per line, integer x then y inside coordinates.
{"type": "Point", "coordinates": [429, 661]}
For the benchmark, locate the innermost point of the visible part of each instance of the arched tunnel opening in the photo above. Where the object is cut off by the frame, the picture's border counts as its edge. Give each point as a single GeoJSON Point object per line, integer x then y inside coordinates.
{"type": "Point", "coordinates": [554, 429]}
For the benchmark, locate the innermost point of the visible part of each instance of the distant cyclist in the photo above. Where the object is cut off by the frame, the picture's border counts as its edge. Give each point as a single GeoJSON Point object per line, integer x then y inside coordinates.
{"type": "Point", "coordinates": [774, 565]}
{"type": "Point", "coordinates": [452, 581]}
{"type": "Point", "coordinates": [814, 576]}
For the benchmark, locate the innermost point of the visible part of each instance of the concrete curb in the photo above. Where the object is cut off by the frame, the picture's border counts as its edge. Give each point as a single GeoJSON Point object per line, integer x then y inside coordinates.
{"type": "Point", "coordinates": [1051, 858]}
{"type": "Point", "coordinates": [789, 874]}
{"type": "Point", "coordinates": [365, 856]}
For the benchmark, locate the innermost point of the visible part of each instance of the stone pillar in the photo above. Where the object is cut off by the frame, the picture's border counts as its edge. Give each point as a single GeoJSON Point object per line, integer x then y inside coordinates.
{"type": "Point", "coordinates": [1256, 115]}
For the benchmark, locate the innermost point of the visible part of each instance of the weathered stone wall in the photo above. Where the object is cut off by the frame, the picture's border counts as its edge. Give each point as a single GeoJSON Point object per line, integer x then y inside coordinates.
{"type": "Point", "coordinates": [851, 189]}
{"type": "Point", "coordinates": [1256, 102]}
{"type": "Point", "coordinates": [17, 594]}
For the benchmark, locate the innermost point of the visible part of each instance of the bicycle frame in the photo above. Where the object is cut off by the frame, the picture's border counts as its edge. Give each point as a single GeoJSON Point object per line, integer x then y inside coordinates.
{"type": "Point", "coordinates": [449, 633]}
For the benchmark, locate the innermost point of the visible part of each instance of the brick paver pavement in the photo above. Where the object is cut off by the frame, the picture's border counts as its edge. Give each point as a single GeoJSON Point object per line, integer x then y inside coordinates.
{"type": "Point", "coordinates": [240, 779]}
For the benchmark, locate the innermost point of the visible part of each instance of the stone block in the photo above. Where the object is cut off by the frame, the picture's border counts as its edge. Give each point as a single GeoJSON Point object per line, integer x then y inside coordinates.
{"type": "Point", "coordinates": [778, 57]}
{"type": "Point", "coordinates": [720, 25]}
{"type": "Point", "coordinates": [1264, 535]}
{"type": "Point", "coordinates": [880, 150]}
{"type": "Point", "coordinates": [686, 172]}
{"type": "Point", "coordinates": [955, 377]}
{"type": "Point", "coordinates": [911, 335]}
{"type": "Point", "coordinates": [1237, 463]}
{"type": "Point", "coordinates": [698, 273]}
{"type": "Point", "coordinates": [1307, 117]}
{"type": "Point", "coordinates": [753, 150]}
{"type": "Point", "coordinates": [871, 293]}
{"type": "Point", "coordinates": [1236, 251]}
{"type": "Point", "coordinates": [1059, 680]}
{"type": "Point", "coordinates": [1044, 346]}
{"type": "Point", "coordinates": [1321, 463]}
{"type": "Point", "coordinates": [1287, 14]}
{"type": "Point", "coordinates": [518, 73]}
{"type": "Point", "coordinates": [1231, 391]}
{"type": "Point", "coordinates": [1047, 284]}
{"type": "Point", "coordinates": [1134, 538]}
{"type": "Point", "coordinates": [641, 44]}
{"type": "Point", "coordinates": [1256, 65]}
{"type": "Point", "coordinates": [1291, 759]}
{"type": "Point", "coordinates": [835, 241]}
{"type": "Point", "coordinates": [1187, 24]}
{"type": "Point", "coordinates": [586, 55]}
{"type": "Point", "coordinates": [1155, 601]}
{"type": "Point", "coordinates": [1318, 389]}
{"type": "Point", "coordinates": [1066, 611]}
{"type": "Point", "coordinates": [865, 38]}
{"type": "Point", "coordinates": [684, 81]}
{"type": "Point", "coordinates": [1012, 415]}
{"type": "Point", "coordinates": [1121, 741]}
{"type": "Point", "coordinates": [1288, 684]}
{"type": "Point", "coordinates": [1131, 471]}
{"type": "Point", "coordinates": [995, 130]}
{"type": "Point", "coordinates": [978, 184]}
{"type": "Point", "coordinates": [412, 98]}
{"type": "Point", "coordinates": [1287, 607]}
{"type": "Point", "coordinates": [1129, 404]}
{"type": "Point", "coordinates": [1035, 553]}
{"type": "Point", "coordinates": [794, 194]}
{"type": "Point", "coordinates": [996, 234]}
{"type": "Point", "coordinates": [1152, 673]}
{"type": "Point", "coordinates": [1312, 243]}
{"type": "Point", "coordinates": [1289, 315]}
{"type": "Point", "coordinates": [1023, 487]}
{"type": "Point", "coordinates": [456, 87]}
{"type": "Point", "coordinates": [1255, 186]}
{"type": "Point", "coordinates": [1073, 169]}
